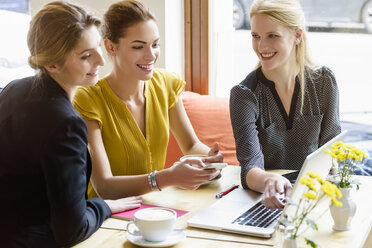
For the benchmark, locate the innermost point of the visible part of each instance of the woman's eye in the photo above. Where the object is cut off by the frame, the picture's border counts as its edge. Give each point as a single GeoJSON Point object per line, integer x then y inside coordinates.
{"type": "Point", "coordinates": [156, 45]}
{"type": "Point", "coordinates": [137, 47]}
{"type": "Point", "coordinates": [255, 36]}
{"type": "Point", "coordinates": [86, 56]}
{"type": "Point", "coordinates": [273, 36]}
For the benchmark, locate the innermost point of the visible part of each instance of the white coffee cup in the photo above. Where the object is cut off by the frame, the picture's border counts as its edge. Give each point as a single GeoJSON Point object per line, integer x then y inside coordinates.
{"type": "Point", "coordinates": [153, 224]}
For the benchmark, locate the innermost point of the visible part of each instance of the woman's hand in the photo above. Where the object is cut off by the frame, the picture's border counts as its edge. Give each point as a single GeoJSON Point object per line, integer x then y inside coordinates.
{"type": "Point", "coordinates": [189, 173]}
{"type": "Point", "coordinates": [275, 185]}
{"type": "Point", "coordinates": [124, 204]}
{"type": "Point", "coordinates": [214, 155]}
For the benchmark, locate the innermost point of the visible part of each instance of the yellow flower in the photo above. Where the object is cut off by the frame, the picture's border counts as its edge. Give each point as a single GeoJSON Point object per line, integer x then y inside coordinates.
{"type": "Point", "coordinates": [336, 202]}
{"type": "Point", "coordinates": [338, 192]}
{"type": "Point", "coordinates": [347, 158]}
{"type": "Point", "coordinates": [309, 183]}
{"type": "Point", "coordinates": [313, 175]}
{"type": "Point", "coordinates": [310, 195]}
{"type": "Point", "coordinates": [304, 180]}
{"type": "Point", "coordinates": [328, 189]}
{"type": "Point", "coordinates": [342, 156]}
{"type": "Point", "coordinates": [335, 153]}
{"type": "Point", "coordinates": [331, 152]}
{"type": "Point", "coordinates": [337, 145]}
{"type": "Point", "coordinates": [310, 199]}
{"type": "Point", "coordinates": [351, 155]}
{"type": "Point", "coordinates": [320, 180]}
{"type": "Point", "coordinates": [358, 154]}
{"type": "Point", "coordinates": [313, 188]}
{"type": "Point", "coordinates": [348, 147]}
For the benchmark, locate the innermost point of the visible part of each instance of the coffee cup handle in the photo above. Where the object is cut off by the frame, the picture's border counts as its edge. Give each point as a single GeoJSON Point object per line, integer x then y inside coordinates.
{"type": "Point", "coordinates": [135, 231]}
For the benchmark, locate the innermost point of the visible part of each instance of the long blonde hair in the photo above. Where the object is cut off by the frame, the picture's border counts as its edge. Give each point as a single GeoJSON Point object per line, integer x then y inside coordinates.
{"type": "Point", "coordinates": [288, 13]}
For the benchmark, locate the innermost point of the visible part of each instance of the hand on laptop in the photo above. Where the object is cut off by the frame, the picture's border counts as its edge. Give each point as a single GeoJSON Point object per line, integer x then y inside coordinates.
{"type": "Point", "coordinates": [274, 186]}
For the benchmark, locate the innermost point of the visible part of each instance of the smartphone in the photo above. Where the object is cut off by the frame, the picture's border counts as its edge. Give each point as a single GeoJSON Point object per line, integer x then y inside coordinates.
{"type": "Point", "coordinates": [217, 166]}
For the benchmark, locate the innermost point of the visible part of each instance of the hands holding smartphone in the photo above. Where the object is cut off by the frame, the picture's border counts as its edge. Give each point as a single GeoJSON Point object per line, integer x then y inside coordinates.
{"type": "Point", "coordinates": [217, 166]}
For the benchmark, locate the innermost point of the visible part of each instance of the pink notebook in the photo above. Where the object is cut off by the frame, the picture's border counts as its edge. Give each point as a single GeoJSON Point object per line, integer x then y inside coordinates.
{"type": "Point", "coordinates": [129, 214]}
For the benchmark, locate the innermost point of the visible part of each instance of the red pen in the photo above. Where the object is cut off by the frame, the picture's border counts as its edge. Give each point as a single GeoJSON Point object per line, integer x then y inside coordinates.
{"type": "Point", "coordinates": [227, 191]}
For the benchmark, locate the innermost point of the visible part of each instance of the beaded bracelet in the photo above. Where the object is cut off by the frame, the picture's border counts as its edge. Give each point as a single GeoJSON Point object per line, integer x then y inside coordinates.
{"type": "Point", "coordinates": [152, 181]}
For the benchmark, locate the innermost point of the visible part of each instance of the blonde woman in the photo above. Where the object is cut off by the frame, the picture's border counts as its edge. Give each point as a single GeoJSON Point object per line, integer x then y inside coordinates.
{"type": "Point", "coordinates": [284, 109]}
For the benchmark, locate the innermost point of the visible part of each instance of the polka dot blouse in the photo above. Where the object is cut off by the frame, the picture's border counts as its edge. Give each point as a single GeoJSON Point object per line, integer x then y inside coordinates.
{"type": "Point", "coordinates": [266, 137]}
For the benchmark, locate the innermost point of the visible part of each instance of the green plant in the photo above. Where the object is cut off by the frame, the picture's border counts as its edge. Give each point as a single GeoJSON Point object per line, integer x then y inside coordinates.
{"type": "Point", "coordinates": [309, 200]}
{"type": "Point", "coordinates": [347, 157]}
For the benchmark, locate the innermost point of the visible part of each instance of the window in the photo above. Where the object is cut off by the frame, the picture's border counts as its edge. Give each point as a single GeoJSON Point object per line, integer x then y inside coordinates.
{"type": "Point", "coordinates": [339, 36]}
{"type": "Point", "coordinates": [14, 24]}
{"type": "Point", "coordinates": [21, 6]}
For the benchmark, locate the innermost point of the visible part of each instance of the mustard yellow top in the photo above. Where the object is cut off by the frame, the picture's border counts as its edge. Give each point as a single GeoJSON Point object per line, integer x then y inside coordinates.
{"type": "Point", "coordinates": [128, 150]}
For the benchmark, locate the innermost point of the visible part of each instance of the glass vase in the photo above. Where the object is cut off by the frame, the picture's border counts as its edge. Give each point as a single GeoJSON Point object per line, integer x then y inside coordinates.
{"type": "Point", "coordinates": [290, 243]}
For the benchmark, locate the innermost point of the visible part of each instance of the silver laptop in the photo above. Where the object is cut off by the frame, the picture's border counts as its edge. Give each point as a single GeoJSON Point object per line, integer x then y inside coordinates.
{"type": "Point", "coordinates": [241, 211]}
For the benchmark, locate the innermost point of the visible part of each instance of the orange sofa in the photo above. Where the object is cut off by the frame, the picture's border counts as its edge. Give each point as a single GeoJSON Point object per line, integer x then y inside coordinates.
{"type": "Point", "coordinates": [210, 118]}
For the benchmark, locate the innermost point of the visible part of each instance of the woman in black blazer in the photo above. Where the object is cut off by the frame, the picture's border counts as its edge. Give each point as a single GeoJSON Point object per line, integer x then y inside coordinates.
{"type": "Point", "coordinates": [44, 162]}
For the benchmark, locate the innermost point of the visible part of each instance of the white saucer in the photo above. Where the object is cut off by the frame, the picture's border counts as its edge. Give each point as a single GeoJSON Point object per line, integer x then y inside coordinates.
{"type": "Point", "coordinates": [174, 237]}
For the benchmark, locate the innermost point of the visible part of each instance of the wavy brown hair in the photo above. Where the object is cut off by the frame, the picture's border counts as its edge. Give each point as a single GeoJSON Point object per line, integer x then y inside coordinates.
{"type": "Point", "coordinates": [122, 15]}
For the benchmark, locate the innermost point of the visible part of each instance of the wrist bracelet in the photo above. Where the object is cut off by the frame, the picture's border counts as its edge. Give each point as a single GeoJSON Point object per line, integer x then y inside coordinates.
{"type": "Point", "coordinates": [152, 181]}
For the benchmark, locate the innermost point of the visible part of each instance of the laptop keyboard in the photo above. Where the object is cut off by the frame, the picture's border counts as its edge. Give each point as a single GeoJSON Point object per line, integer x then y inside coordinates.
{"type": "Point", "coordinates": [258, 216]}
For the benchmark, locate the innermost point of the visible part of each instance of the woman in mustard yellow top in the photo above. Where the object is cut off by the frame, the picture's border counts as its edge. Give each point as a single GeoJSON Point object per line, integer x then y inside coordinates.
{"type": "Point", "coordinates": [129, 114]}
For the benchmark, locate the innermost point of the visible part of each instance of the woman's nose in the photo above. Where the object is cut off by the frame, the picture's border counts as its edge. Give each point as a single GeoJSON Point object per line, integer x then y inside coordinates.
{"type": "Point", "coordinates": [261, 44]}
{"type": "Point", "coordinates": [100, 59]}
{"type": "Point", "coordinates": [151, 54]}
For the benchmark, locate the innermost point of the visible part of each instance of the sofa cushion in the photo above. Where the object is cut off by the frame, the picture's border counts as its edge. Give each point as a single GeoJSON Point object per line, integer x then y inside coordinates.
{"type": "Point", "coordinates": [210, 118]}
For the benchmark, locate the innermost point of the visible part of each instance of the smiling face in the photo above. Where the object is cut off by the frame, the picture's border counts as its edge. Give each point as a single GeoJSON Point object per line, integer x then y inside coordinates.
{"type": "Point", "coordinates": [274, 44]}
{"type": "Point", "coordinates": [82, 63]}
{"type": "Point", "coordinates": [137, 52]}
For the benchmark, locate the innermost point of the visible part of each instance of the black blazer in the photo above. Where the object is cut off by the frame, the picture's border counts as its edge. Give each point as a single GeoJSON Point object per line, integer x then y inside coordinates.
{"type": "Point", "coordinates": [44, 168]}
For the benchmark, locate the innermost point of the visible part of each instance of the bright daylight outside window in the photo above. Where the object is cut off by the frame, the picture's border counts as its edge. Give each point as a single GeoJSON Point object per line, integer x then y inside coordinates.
{"type": "Point", "coordinates": [339, 36]}
{"type": "Point", "coordinates": [14, 24]}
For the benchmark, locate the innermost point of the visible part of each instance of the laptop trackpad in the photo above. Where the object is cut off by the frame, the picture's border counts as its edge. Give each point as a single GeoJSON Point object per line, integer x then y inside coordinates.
{"type": "Point", "coordinates": [233, 204]}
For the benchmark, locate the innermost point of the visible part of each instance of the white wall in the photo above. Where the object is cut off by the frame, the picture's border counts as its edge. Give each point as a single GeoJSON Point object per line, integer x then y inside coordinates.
{"type": "Point", "coordinates": [174, 36]}
{"type": "Point", "coordinates": [170, 15]}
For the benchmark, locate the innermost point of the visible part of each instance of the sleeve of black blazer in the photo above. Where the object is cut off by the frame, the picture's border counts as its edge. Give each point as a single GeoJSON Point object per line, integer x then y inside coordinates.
{"type": "Point", "coordinates": [73, 217]}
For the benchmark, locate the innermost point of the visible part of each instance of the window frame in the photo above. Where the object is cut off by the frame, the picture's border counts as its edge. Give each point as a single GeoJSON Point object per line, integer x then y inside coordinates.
{"type": "Point", "coordinates": [197, 45]}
